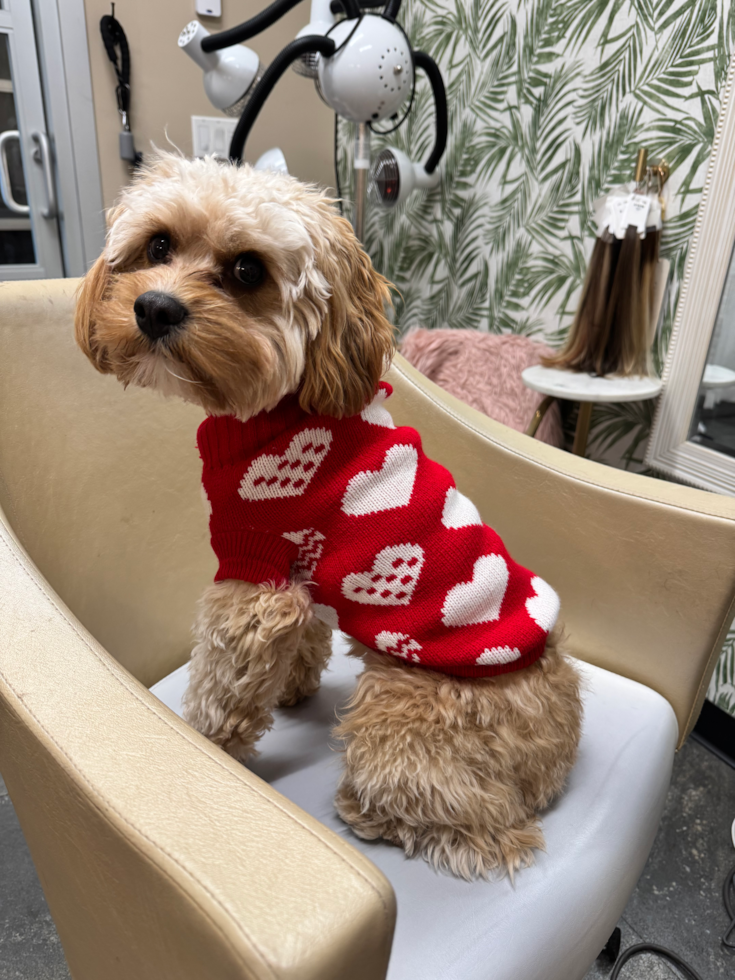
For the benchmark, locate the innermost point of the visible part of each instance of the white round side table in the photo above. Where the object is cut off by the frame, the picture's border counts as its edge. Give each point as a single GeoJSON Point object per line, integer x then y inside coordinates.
{"type": "Point", "coordinates": [585, 389]}
{"type": "Point", "coordinates": [716, 377]}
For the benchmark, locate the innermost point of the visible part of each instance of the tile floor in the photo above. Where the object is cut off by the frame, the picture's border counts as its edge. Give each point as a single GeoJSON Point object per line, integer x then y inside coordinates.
{"type": "Point", "coordinates": [677, 902]}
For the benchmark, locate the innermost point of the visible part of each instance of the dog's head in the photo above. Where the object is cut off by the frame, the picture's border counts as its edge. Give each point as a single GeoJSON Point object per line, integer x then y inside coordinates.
{"type": "Point", "coordinates": [232, 288]}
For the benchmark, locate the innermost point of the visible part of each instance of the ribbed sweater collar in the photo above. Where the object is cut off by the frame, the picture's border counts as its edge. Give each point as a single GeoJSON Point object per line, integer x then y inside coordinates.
{"type": "Point", "coordinates": [224, 439]}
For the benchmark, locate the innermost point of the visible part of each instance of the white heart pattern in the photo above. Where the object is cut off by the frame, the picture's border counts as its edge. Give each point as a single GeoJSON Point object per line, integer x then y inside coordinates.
{"type": "Point", "coordinates": [479, 600]}
{"type": "Point", "coordinates": [459, 511]}
{"type": "Point", "coordinates": [498, 655]}
{"type": "Point", "coordinates": [327, 614]}
{"type": "Point", "coordinates": [391, 580]}
{"type": "Point", "coordinates": [398, 644]}
{"type": "Point", "coordinates": [375, 414]}
{"type": "Point", "coordinates": [311, 546]}
{"type": "Point", "coordinates": [543, 608]}
{"type": "Point", "coordinates": [385, 489]}
{"type": "Point", "coordinates": [270, 477]}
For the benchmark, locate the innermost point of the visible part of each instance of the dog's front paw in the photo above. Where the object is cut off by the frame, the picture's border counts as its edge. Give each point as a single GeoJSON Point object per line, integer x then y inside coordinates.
{"type": "Point", "coordinates": [311, 658]}
{"type": "Point", "coordinates": [236, 733]}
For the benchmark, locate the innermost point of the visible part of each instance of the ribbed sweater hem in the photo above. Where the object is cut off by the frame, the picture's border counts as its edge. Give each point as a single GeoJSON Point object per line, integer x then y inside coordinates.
{"type": "Point", "coordinates": [235, 549]}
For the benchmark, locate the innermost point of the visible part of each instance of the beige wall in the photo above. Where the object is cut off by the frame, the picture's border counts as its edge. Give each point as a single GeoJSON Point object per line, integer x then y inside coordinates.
{"type": "Point", "coordinates": [167, 89]}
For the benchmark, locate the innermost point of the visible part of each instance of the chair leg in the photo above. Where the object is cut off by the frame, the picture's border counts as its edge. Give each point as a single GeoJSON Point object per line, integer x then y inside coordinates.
{"type": "Point", "coordinates": [611, 950]}
{"type": "Point", "coordinates": [583, 427]}
{"type": "Point", "coordinates": [538, 415]}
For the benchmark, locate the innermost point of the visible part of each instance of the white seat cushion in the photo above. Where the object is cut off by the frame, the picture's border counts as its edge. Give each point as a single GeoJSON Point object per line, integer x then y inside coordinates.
{"type": "Point", "coordinates": [557, 917]}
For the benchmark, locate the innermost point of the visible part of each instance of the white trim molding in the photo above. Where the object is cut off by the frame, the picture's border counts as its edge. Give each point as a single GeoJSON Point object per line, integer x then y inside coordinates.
{"type": "Point", "coordinates": [708, 263]}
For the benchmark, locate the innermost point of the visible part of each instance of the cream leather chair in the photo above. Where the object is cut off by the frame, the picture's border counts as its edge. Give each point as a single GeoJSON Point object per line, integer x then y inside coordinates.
{"type": "Point", "coordinates": [160, 857]}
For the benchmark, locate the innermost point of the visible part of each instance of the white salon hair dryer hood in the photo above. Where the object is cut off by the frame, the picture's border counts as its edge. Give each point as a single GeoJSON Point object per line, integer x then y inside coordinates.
{"type": "Point", "coordinates": [394, 178]}
{"type": "Point", "coordinates": [230, 75]}
{"type": "Point", "coordinates": [364, 68]}
{"type": "Point", "coordinates": [370, 75]}
{"type": "Point", "coordinates": [322, 19]}
{"type": "Point", "coordinates": [273, 160]}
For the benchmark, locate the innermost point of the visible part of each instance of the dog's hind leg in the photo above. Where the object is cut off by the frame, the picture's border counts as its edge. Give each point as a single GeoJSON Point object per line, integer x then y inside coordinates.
{"type": "Point", "coordinates": [248, 638]}
{"type": "Point", "coordinates": [443, 766]}
{"type": "Point", "coordinates": [311, 659]}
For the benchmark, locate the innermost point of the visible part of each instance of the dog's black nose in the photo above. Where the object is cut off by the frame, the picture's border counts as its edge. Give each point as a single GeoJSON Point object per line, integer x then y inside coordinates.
{"type": "Point", "coordinates": [158, 313]}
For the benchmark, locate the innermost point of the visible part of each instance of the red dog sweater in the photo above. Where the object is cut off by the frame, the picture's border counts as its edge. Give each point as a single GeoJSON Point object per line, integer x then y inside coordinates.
{"type": "Point", "coordinates": [396, 556]}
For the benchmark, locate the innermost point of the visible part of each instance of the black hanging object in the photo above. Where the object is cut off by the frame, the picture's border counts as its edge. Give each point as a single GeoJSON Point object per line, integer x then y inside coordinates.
{"type": "Point", "coordinates": [113, 37]}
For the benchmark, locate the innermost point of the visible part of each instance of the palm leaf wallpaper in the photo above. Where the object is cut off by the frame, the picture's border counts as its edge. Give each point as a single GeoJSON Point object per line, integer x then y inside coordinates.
{"type": "Point", "coordinates": [549, 101]}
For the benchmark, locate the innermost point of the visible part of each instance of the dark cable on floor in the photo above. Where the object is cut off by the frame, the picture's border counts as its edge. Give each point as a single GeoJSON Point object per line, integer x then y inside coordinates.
{"type": "Point", "coordinates": [689, 972]}
{"type": "Point", "coordinates": [728, 939]}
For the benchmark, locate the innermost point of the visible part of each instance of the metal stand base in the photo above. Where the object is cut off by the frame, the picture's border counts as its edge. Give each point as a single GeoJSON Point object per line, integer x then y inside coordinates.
{"type": "Point", "coordinates": [362, 166]}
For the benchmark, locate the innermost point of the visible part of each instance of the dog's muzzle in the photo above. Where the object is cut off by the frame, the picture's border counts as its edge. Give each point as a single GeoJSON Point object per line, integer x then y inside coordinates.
{"type": "Point", "coordinates": [158, 313]}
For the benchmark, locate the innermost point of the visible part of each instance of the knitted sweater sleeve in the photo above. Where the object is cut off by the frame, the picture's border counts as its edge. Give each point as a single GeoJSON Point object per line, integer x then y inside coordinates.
{"type": "Point", "coordinates": [253, 556]}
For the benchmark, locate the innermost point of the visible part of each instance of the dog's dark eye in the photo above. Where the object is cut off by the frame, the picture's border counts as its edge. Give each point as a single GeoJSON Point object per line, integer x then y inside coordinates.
{"type": "Point", "coordinates": [158, 248]}
{"type": "Point", "coordinates": [249, 270]}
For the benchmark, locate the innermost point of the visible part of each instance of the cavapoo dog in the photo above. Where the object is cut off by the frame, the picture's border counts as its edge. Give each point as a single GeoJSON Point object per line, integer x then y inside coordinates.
{"type": "Point", "coordinates": [247, 293]}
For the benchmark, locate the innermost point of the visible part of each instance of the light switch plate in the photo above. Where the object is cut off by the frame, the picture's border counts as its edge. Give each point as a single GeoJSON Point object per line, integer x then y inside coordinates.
{"type": "Point", "coordinates": [211, 135]}
{"type": "Point", "coordinates": [208, 8]}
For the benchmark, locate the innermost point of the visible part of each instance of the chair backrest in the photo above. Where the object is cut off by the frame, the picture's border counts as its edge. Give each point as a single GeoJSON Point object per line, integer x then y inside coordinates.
{"type": "Point", "coordinates": [102, 487]}
{"type": "Point", "coordinates": [645, 568]}
{"type": "Point", "coordinates": [100, 484]}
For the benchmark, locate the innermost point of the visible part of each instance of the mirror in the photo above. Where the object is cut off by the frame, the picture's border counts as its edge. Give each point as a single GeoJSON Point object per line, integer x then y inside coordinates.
{"type": "Point", "coordinates": [693, 435]}
{"type": "Point", "coordinates": [713, 420]}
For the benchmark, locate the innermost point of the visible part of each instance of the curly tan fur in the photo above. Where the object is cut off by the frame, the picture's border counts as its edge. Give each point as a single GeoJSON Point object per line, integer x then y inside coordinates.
{"type": "Point", "coordinates": [316, 324]}
{"type": "Point", "coordinates": [456, 769]}
{"type": "Point", "coordinates": [453, 769]}
{"type": "Point", "coordinates": [312, 656]}
{"type": "Point", "coordinates": [254, 650]}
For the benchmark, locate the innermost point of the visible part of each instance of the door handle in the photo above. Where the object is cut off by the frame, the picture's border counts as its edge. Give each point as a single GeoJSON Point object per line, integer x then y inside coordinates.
{"type": "Point", "coordinates": [42, 155]}
{"type": "Point", "coordinates": [5, 186]}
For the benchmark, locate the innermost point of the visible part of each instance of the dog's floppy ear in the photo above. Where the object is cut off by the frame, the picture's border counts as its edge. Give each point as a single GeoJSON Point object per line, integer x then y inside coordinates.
{"type": "Point", "coordinates": [91, 291]}
{"type": "Point", "coordinates": [349, 354]}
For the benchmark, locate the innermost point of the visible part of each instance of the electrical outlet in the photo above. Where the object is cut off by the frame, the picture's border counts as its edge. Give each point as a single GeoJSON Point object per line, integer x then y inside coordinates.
{"type": "Point", "coordinates": [211, 135]}
{"type": "Point", "coordinates": [208, 8]}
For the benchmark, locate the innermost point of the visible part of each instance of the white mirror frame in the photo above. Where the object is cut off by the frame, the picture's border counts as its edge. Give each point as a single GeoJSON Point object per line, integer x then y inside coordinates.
{"type": "Point", "coordinates": [708, 262]}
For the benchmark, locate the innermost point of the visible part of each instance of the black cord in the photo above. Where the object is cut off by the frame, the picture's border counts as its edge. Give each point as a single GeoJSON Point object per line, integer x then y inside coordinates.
{"type": "Point", "coordinates": [261, 21]}
{"type": "Point", "coordinates": [336, 163]}
{"type": "Point", "coordinates": [728, 897]}
{"type": "Point", "coordinates": [428, 65]}
{"type": "Point", "coordinates": [391, 10]}
{"type": "Point", "coordinates": [313, 43]}
{"type": "Point", "coordinates": [661, 951]}
{"type": "Point", "coordinates": [113, 37]}
{"type": "Point", "coordinates": [728, 888]}
{"type": "Point", "coordinates": [337, 7]}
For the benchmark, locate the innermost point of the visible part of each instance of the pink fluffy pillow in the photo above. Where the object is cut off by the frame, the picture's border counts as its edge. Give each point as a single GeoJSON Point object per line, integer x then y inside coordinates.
{"type": "Point", "coordinates": [484, 370]}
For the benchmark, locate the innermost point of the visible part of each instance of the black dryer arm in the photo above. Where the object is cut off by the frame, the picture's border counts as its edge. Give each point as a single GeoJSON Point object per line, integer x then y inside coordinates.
{"type": "Point", "coordinates": [261, 21]}
{"type": "Point", "coordinates": [428, 65]}
{"type": "Point", "coordinates": [312, 43]}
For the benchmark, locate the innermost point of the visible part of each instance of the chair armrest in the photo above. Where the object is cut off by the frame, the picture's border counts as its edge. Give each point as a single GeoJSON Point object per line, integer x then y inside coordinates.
{"type": "Point", "coordinates": [645, 568]}
{"type": "Point", "coordinates": [161, 858]}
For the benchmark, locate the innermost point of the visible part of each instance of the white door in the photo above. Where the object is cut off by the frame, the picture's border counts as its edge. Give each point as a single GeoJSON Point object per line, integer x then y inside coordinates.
{"type": "Point", "coordinates": [30, 246]}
